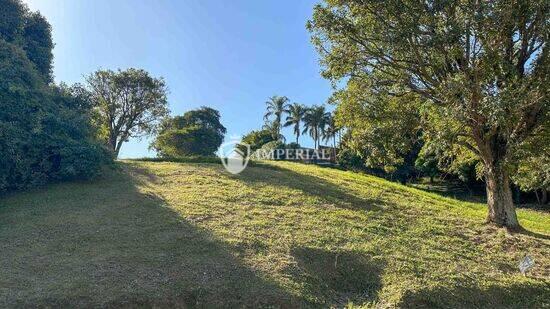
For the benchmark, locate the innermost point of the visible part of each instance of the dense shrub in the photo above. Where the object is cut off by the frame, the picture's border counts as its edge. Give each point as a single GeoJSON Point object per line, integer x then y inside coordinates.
{"type": "Point", "coordinates": [44, 135]}
{"type": "Point", "coordinates": [256, 139]}
{"type": "Point", "coordinates": [196, 133]}
{"type": "Point", "coordinates": [269, 149]}
{"type": "Point", "coordinates": [349, 159]}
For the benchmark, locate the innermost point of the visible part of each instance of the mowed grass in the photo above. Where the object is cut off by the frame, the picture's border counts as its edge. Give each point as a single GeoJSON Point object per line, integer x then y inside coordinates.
{"type": "Point", "coordinates": [280, 234]}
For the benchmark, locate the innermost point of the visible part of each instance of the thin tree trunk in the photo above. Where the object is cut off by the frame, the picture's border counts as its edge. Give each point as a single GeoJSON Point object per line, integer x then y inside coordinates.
{"type": "Point", "coordinates": [334, 148]}
{"type": "Point", "coordinates": [113, 144]}
{"type": "Point", "coordinates": [117, 150]}
{"type": "Point", "coordinates": [544, 198]}
{"type": "Point", "coordinates": [502, 211]}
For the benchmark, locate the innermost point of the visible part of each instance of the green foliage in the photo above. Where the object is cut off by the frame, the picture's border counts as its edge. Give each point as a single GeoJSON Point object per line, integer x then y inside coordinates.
{"type": "Point", "coordinates": [480, 66]}
{"type": "Point", "coordinates": [12, 20]}
{"type": "Point", "coordinates": [426, 163]}
{"type": "Point", "coordinates": [349, 159]}
{"type": "Point", "coordinates": [276, 107]}
{"type": "Point", "coordinates": [293, 145]}
{"type": "Point", "coordinates": [532, 171]}
{"type": "Point", "coordinates": [44, 131]}
{"type": "Point", "coordinates": [385, 130]}
{"type": "Point", "coordinates": [129, 103]}
{"type": "Point", "coordinates": [269, 151]}
{"type": "Point", "coordinates": [30, 31]}
{"type": "Point", "coordinates": [316, 119]}
{"type": "Point", "coordinates": [295, 116]}
{"type": "Point", "coordinates": [256, 139]}
{"type": "Point", "coordinates": [198, 132]}
{"type": "Point", "coordinates": [331, 131]}
{"type": "Point", "coordinates": [38, 43]}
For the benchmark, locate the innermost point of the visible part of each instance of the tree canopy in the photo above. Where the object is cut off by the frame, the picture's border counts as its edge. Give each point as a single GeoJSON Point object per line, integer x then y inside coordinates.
{"type": "Point", "coordinates": [480, 69]}
{"type": "Point", "coordinates": [129, 103]}
{"type": "Point", "coordinates": [197, 132]}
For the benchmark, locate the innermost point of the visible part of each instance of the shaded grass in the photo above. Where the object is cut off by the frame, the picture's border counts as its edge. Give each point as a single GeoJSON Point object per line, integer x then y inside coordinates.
{"type": "Point", "coordinates": [279, 234]}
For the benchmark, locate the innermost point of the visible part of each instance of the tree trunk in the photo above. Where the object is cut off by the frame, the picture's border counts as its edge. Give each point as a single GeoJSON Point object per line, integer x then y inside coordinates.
{"type": "Point", "coordinates": [544, 197]}
{"type": "Point", "coordinates": [117, 149]}
{"type": "Point", "coordinates": [113, 144]}
{"type": "Point", "coordinates": [502, 211]}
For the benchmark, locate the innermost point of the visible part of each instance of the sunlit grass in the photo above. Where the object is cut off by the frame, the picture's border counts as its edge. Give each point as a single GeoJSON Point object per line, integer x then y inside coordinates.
{"type": "Point", "coordinates": [279, 234]}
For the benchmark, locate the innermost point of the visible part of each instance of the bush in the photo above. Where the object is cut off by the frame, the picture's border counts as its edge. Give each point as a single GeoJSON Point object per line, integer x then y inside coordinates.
{"type": "Point", "coordinates": [256, 139]}
{"type": "Point", "coordinates": [268, 150]}
{"type": "Point", "coordinates": [349, 159]}
{"type": "Point", "coordinates": [196, 133]}
{"type": "Point", "coordinates": [293, 145]}
{"type": "Point", "coordinates": [42, 136]}
{"type": "Point", "coordinates": [190, 141]}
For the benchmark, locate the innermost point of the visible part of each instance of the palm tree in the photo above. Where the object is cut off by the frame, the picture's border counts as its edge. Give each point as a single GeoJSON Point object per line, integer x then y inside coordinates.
{"type": "Point", "coordinates": [330, 134]}
{"type": "Point", "coordinates": [276, 106]}
{"type": "Point", "coordinates": [331, 131]}
{"type": "Point", "coordinates": [315, 121]}
{"type": "Point", "coordinates": [295, 116]}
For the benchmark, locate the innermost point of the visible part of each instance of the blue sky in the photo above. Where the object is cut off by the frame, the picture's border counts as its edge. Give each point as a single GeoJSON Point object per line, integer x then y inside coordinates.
{"type": "Point", "coordinates": [229, 55]}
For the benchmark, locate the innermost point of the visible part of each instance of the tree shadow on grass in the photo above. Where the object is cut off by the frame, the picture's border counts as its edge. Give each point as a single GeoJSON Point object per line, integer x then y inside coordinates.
{"type": "Point", "coordinates": [525, 232]}
{"type": "Point", "coordinates": [110, 244]}
{"type": "Point", "coordinates": [339, 277]}
{"type": "Point", "coordinates": [314, 186]}
{"type": "Point", "coordinates": [516, 295]}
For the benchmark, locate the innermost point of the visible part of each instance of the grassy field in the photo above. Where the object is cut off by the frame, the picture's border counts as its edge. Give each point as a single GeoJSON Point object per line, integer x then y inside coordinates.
{"type": "Point", "coordinates": [278, 235]}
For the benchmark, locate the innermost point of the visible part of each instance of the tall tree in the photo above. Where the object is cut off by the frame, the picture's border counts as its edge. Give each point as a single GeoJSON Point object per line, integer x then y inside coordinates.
{"type": "Point", "coordinates": [331, 131]}
{"type": "Point", "coordinates": [481, 66]}
{"type": "Point", "coordinates": [295, 116]}
{"type": "Point", "coordinates": [316, 119]}
{"type": "Point", "coordinates": [277, 106]}
{"type": "Point", "coordinates": [129, 103]}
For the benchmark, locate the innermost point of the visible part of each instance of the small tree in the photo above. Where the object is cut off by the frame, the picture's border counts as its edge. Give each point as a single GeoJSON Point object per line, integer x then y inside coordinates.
{"type": "Point", "coordinates": [128, 104]}
{"type": "Point", "coordinates": [256, 139]}
{"type": "Point", "coordinates": [197, 132]}
{"type": "Point", "coordinates": [481, 66]}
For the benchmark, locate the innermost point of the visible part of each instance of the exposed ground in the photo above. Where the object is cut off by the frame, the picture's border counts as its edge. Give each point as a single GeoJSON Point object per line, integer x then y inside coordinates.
{"type": "Point", "coordinates": [278, 235]}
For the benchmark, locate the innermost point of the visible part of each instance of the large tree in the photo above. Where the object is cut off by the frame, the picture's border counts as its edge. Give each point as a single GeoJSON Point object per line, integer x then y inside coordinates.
{"type": "Point", "coordinates": [481, 66]}
{"type": "Point", "coordinates": [129, 103]}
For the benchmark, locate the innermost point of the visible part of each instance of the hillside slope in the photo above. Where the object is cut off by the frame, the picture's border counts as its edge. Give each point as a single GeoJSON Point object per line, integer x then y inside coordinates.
{"type": "Point", "coordinates": [280, 234]}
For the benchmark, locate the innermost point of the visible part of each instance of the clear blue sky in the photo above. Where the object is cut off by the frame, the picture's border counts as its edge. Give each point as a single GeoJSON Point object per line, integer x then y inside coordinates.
{"type": "Point", "coordinates": [229, 55]}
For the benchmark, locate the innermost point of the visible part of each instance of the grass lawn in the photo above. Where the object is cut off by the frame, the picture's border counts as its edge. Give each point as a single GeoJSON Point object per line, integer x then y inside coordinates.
{"type": "Point", "coordinates": [278, 235]}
